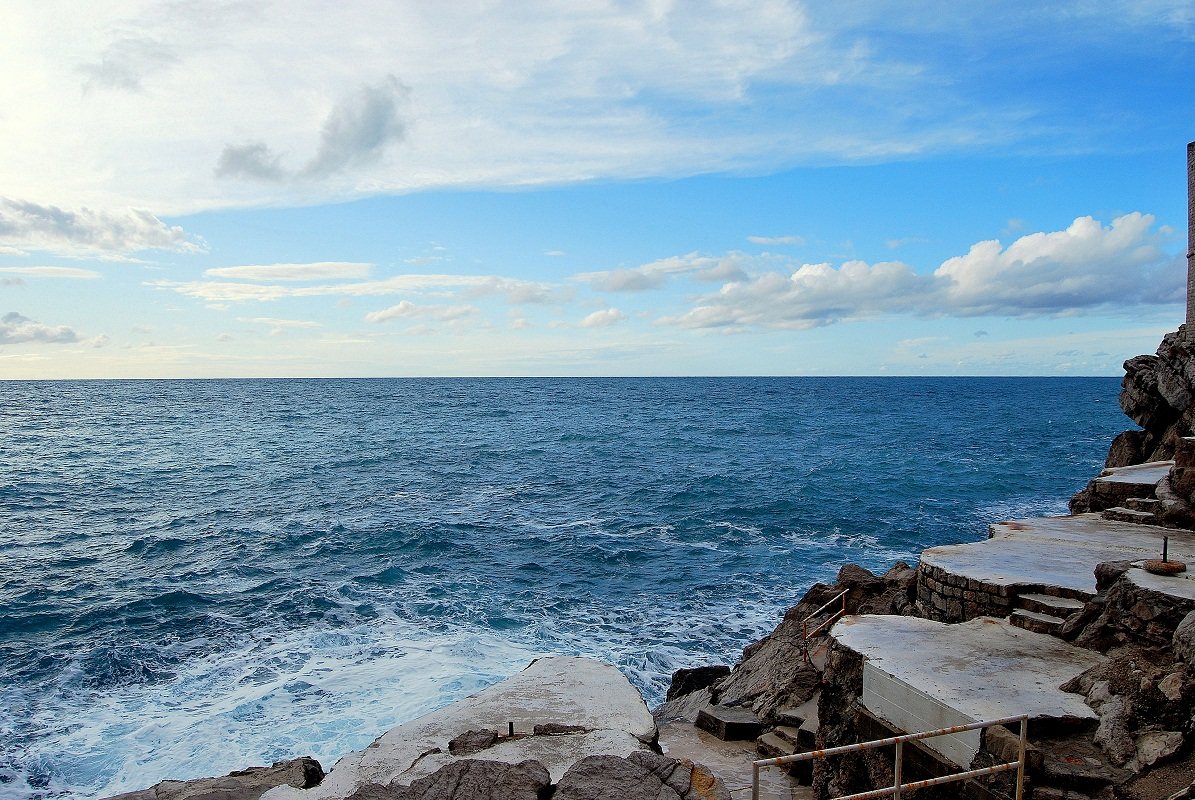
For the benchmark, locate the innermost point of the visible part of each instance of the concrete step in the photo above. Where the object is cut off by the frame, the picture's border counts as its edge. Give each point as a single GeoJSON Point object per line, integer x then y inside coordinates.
{"type": "Point", "coordinates": [1150, 504]}
{"type": "Point", "coordinates": [1055, 793]}
{"type": "Point", "coordinates": [729, 723]}
{"type": "Point", "coordinates": [790, 734]}
{"type": "Point", "coordinates": [1036, 622]}
{"type": "Point", "coordinates": [1123, 514]}
{"type": "Point", "coordinates": [790, 716]}
{"type": "Point", "coordinates": [1061, 607]}
{"type": "Point", "coordinates": [772, 745]}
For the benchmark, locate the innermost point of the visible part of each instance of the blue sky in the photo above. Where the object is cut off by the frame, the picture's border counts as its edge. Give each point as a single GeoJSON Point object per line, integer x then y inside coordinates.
{"type": "Point", "coordinates": [243, 188]}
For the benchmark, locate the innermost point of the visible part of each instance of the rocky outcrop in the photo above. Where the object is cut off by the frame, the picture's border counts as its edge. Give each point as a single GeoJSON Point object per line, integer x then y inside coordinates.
{"type": "Point", "coordinates": [641, 776]}
{"type": "Point", "coordinates": [246, 784]}
{"type": "Point", "coordinates": [1158, 393]}
{"type": "Point", "coordinates": [1129, 608]}
{"type": "Point", "coordinates": [467, 780]}
{"type": "Point", "coordinates": [774, 673]}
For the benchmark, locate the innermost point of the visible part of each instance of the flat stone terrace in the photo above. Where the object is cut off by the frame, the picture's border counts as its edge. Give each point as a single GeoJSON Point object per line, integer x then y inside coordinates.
{"type": "Point", "coordinates": [922, 675]}
{"type": "Point", "coordinates": [1050, 555]}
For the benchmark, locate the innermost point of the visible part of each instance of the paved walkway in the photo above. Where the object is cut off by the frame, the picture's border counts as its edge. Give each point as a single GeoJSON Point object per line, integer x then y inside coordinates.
{"type": "Point", "coordinates": [1057, 551]}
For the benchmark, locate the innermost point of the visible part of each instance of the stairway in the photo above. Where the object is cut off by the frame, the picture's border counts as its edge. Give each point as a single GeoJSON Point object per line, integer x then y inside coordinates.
{"type": "Point", "coordinates": [1044, 613]}
{"type": "Point", "coordinates": [1141, 510]}
{"type": "Point", "coordinates": [796, 734]}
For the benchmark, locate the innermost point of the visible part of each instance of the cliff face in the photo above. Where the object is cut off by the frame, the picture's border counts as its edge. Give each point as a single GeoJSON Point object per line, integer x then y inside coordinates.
{"type": "Point", "coordinates": [1158, 393]}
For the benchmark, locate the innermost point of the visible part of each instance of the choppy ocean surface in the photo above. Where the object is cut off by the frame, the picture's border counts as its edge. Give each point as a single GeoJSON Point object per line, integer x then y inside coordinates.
{"type": "Point", "coordinates": [202, 575]}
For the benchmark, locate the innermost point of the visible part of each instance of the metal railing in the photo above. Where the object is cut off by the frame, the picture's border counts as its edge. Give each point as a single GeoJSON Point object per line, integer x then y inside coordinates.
{"type": "Point", "coordinates": [898, 787]}
{"type": "Point", "coordinates": [830, 620]}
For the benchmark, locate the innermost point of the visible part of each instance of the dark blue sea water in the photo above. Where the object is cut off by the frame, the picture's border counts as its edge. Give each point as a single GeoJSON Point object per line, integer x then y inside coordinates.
{"type": "Point", "coordinates": [199, 575]}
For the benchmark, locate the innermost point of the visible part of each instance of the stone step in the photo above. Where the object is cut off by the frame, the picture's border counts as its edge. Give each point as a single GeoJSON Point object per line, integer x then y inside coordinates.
{"type": "Point", "coordinates": [1036, 622]}
{"type": "Point", "coordinates": [1075, 775]}
{"type": "Point", "coordinates": [772, 745]}
{"type": "Point", "coordinates": [1122, 514]}
{"type": "Point", "coordinates": [1061, 607]}
{"type": "Point", "coordinates": [790, 716]}
{"type": "Point", "coordinates": [1055, 793]}
{"type": "Point", "coordinates": [1150, 504]}
{"type": "Point", "coordinates": [790, 734]}
{"type": "Point", "coordinates": [728, 723]}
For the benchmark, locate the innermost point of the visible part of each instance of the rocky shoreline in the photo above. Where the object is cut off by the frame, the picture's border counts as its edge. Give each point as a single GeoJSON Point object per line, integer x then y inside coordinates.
{"type": "Point", "coordinates": [571, 728]}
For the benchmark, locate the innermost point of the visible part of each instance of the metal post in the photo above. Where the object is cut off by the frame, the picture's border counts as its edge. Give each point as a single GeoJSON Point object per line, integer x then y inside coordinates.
{"type": "Point", "coordinates": [900, 749]}
{"type": "Point", "coordinates": [755, 782]}
{"type": "Point", "coordinates": [1191, 239]}
{"type": "Point", "coordinates": [1021, 757]}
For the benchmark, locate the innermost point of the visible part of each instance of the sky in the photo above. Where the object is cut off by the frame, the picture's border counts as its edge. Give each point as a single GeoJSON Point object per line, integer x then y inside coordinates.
{"type": "Point", "coordinates": [241, 188]}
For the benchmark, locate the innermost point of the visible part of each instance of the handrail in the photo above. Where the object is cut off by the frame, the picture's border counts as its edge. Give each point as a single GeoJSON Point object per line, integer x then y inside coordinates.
{"type": "Point", "coordinates": [896, 789]}
{"type": "Point", "coordinates": [806, 633]}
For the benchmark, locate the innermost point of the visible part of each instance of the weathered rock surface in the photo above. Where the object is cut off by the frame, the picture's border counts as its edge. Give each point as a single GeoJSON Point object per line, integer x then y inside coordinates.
{"type": "Point", "coordinates": [594, 697]}
{"type": "Point", "coordinates": [471, 779]}
{"type": "Point", "coordinates": [246, 784]}
{"type": "Point", "coordinates": [641, 776]}
{"type": "Point", "coordinates": [686, 681]}
{"type": "Point", "coordinates": [774, 673]}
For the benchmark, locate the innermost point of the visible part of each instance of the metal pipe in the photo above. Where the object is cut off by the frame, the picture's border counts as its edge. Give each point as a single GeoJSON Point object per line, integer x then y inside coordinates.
{"type": "Point", "coordinates": [958, 776]}
{"type": "Point", "coordinates": [755, 782]}
{"type": "Point", "coordinates": [1021, 757]}
{"type": "Point", "coordinates": [896, 769]}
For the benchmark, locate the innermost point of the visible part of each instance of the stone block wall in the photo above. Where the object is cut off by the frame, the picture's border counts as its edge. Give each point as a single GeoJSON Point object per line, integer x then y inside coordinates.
{"type": "Point", "coordinates": [945, 597]}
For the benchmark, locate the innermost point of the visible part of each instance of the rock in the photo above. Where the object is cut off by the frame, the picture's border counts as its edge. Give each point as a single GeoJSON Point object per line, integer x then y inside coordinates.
{"type": "Point", "coordinates": [1171, 687]}
{"type": "Point", "coordinates": [471, 742]}
{"type": "Point", "coordinates": [1127, 448]}
{"type": "Point", "coordinates": [1114, 734]}
{"type": "Point", "coordinates": [1183, 640]}
{"type": "Point", "coordinates": [685, 681]}
{"type": "Point", "coordinates": [470, 779]}
{"type": "Point", "coordinates": [642, 776]}
{"type": "Point", "coordinates": [1154, 746]}
{"type": "Point", "coordinates": [557, 729]}
{"type": "Point", "coordinates": [246, 784]}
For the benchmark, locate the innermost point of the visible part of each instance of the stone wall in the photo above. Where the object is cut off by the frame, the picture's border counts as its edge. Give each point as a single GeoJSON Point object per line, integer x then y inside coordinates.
{"type": "Point", "coordinates": [944, 597]}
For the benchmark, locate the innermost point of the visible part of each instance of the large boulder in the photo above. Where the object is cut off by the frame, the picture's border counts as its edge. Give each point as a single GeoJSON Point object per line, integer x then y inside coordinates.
{"type": "Point", "coordinates": [471, 779]}
{"type": "Point", "coordinates": [245, 784]}
{"type": "Point", "coordinates": [641, 776]}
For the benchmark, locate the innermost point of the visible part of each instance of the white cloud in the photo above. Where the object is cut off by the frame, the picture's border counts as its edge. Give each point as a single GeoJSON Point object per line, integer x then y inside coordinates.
{"type": "Point", "coordinates": [355, 133]}
{"type": "Point", "coordinates": [408, 310]}
{"type": "Point", "coordinates": [18, 329]}
{"type": "Point", "coordinates": [29, 226]}
{"type": "Point", "coordinates": [777, 240]}
{"type": "Point", "coordinates": [226, 104]}
{"type": "Point", "coordinates": [52, 272]}
{"type": "Point", "coordinates": [654, 274]}
{"type": "Point", "coordinates": [316, 271]}
{"type": "Point", "coordinates": [513, 290]}
{"type": "Point", "coordinates": [603, 318]}
{"type": "Point", "coordinates": [278, 327]}
{"type": "Point", "coordinates": [1087, 266]}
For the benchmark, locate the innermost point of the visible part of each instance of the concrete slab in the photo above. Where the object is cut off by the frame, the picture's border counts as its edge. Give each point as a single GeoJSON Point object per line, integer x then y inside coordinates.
{"type": "Point", "coordinates": [730, 761]}
{"type": "Point", "coordinates": [567, 691]}
{"type": "Point", "coordinates": [1141, 474]}
{"type": "Point", "coordinates": [1056, 551]}
{"type": "Point", "coordinates": [1181, 585]}
{"type": "Point", "coordinates": [921, 675]}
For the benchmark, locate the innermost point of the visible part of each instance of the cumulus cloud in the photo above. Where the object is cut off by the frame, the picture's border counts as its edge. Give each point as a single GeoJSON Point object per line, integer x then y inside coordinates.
{"type": "Point", "coordinates": [30, 226]}
{"type": "Point", "coordinates": [408, 310]}
{"type": "Point", "coordinates": [355, 133]}
{"type": "Point", "coordinates": [654, 274]}
{"type": "Point", "coordinates": [18, 329]}
{"type": "Point", "coordinates": [314, 271]}
{"type": "Point", "coordinates": [1087, 266]}
{"type": "Point", "coordinates": [777, 240]}
{"type": "Point", "coordinates": [52, 272]}
{"type": "Point", "coordinates": [603, 318]}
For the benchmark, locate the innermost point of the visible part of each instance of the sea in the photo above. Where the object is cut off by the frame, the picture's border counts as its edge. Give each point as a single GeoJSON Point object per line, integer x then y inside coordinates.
{"type": "Point", "coordinates": [197, 576]}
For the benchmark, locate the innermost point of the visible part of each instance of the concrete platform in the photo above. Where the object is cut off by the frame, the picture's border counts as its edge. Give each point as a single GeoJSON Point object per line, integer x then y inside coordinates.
{"type": "Point", "coordinates": [566, 691]}
{"type": "Point", "coordinates": [1056, 551]}
{"type": "Point", "coordinates": [922, 675]}
{"type": "Point", "coordinates": [1140, 474]}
